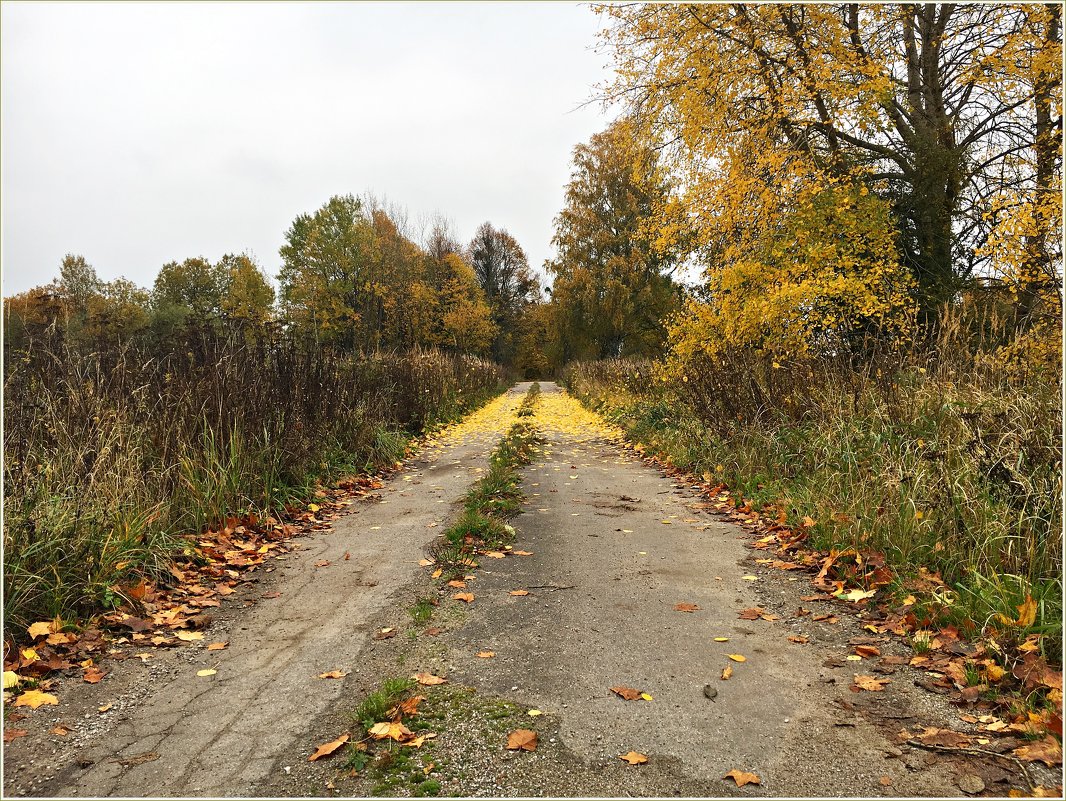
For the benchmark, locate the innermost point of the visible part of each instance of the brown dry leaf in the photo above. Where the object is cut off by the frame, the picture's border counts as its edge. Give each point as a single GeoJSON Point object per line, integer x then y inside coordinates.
{"type": "Point", "coordinates": [36, 698]}
{"type": "Point", "coordinates": [60, 730]}
{"type": "Point", "coordinates": [869, 683]}
{"type": "Point", "coordinates": [408, 707]}
{"type": "Point", "coordinates": [799, 638]}
{"type": "Point", "coordinates": [217, 646]}
{"type": "Point", "coordinates": [41, 629]}
{"type": "Point", "coordinates": [92, 676]}
{"type": "Point", "coordinates": [628, 693]}
{"type": "Point", "coordinates": [522, 739]}
{"type": "Point", "coordinates": [461, 585]}
{"type": "Point", "coordinates": [486, 654]}
{"type": "Point", "coordinates": [825, 618]}
{"type": "Point", "coordinates": [1047, 751]}
{"type": "Point", "coordinates": [189, 636]}
{"type": "Point", "coordinates": [495, 554]}
{"type": "Point", "coordinates": [438, 573]}
{"type": "Point", "coordinates": [522, 553]}
{"type": "Point", "coordinates": [634, 758]}
{"type": "Point", "coordinates": [425, 562]}
{"type": "Point", "coordinates": [867, 651]}
{"type": "Point", "coordinates": [686, 607]}
{"type": "Point", "coordinates": [737, 657]}
{"type": "Point", "coordinates": [464, 596]}
{"type": "Point", "coordinates": [273, 594]}
{"type": "Point", "coordinates": [333, 674]}
{"type": "Point", "coordinates": [11, 734]}
{"type": "Point", "coordinates": [727, 672]}
{"type": "Point", "coordinates": [433, 631]}
{"type": "Point", "coordinates": [751, 614]}
{"type": "Point", "coordinates": [428, 679]}
{"type": "Point", "coordinates": [385, 634]}
{"type": "Point", "coordinates": [518, 592]}
{"type": "Point", "coordinates": [742, 777]}
{"type": "Point", "coordinates": [323, 563]}
{"type": "Point", "coordinates": [326, 749]}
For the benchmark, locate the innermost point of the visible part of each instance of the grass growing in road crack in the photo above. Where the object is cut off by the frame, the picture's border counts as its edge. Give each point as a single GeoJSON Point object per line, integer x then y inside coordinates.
{"type": "Point", "coordinates": [494, 499]}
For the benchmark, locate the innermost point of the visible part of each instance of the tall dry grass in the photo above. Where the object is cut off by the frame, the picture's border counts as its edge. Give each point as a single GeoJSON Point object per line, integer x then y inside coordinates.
{"type": "Point", "coordinates": [946, 455]}
{"type": "Point", "coordinates": [112, 454]}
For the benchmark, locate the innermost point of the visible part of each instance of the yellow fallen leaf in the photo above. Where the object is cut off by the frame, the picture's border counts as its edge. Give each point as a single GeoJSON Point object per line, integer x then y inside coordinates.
{"type": "Point", "coordinates": [428, 679]}
{"type": "Point", "coordinates": [486, 654]}
{"type": "Point", "coordinates": [11, 679]}
{"type": "Point", "coordinates": [646, 697]}
{"type": "Point", "coordinates": [206, 672]}
{"type": "Point", "coordinates": [751, 578]}
{"type": "Point", "coordinates": [40, 629]}
{"type": "Point", "coordinates": [333, 674]}
{"type": "Point", "coordinates": [727, 672]}
{"type": "Point", "coordinates": [217, 646]}
{"type": "Point", "coordinates": [105, 707]}
{"type": "Point", "coordinates": [393, 730]}
{"type": "Point", "coordinates": [634, 758]}
{"type": "Point", "coordinates": [468, 597]}
{"type": "Point", "coordinates": [534, 713]}
{"type": "Point", "coordinates": [737, 657]}
{"type": "Point", "coordinates": [721, 639]}
{"type": "Point", "coordinates": [36, 698]}
{"type": "Point", "coordinates": [189, 636]}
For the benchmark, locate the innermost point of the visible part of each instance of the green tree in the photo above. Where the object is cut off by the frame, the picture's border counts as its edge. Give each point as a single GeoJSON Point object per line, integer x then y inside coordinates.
{"type": "Point", "coordinates": [613, 288]}
{"type": "Point", "coordinates": [502, 270]}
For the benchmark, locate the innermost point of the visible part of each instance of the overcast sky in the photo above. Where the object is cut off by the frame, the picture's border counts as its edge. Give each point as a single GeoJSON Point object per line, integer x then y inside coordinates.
{"type": "Point", "coordinates": [137, 134]}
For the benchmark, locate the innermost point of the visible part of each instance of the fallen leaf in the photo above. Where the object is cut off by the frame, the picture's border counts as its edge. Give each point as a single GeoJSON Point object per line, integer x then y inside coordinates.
{"type": "Point", "coordinates": [750, 578]}
{"type": "Point", "coordinates": [385, 634]}
{"type": "Point", "coordinates": [721, 639]}
{"type": "Point", "coordinates": [105, 707]}
{"type": "Point", "coordinates": [867, 651]}
{"type": "Point", "coordinates": [737, 657]}
{"type": "Point", "coordinates": [425, 562]}
{"type": "Point", "coordinates": [393, 730]}
{"type": "Point", "coordinates": [323, 563]}
{"type": "Point", "coordinates": [41, 629]}
{"type": "Point", "coordinates": [628, 693]}
{"type": "Point", "coordinates": [634, 758]}
{"type": "Point", "coordinates": [1047, 751]}
{"type": "Point", "coordinates": [727, 672]}
{"type": "Point", "coordinates": [457, 584]}
{"type": "Point", "coordinates": [333, 674]}
{"type": "Point", "coordinates": [328, 748]}
{"type": "Point", "coordinates": [189, 636]}
{"type": "Point", "coordinates": [36, 698]}
{"type": "Point", "coordinates": [522, 739]}
{"type": "Point", "coordinates": [92, 676]}
{"type": "Point", "coordinates": [217, 646]}
{"type": "Point", "coordinates": [518, 592]}
{"type": "Point", "coordinates": [869, 683]}
{"type": "Point", "coordinates": [11, 679]}
{"type": "Point", "coordinates": [438, 573]}
{"type": "Point", "coordinates": [534, 713]}
{"type": "Point", "coordinates": [495, 554]}
{"type": "Point", "coordinates": [522, 553]}
{"type": "Point", "coordinates": [686, 607]}
{"type": "Point", "coordinates": [11, 734]}
{"type": "Point", "coordinates": [206, 672]}
{"type": "Point", "coordinates": [646, 697]}
{"type": "Point", "coordinates": [273, 594]}
{"type": "Point", "coordinates": [751, 614]}
{"type": "Point", "coordinates": [486, 654]}
{"type": "Point", "coordinates": [59, 730]}
{"type": "Point", "coordinates": [1026, 612]}
{"type": "Point", "coordinates": [857, 595]}
{"type": "Point", "coordinates": [742, 777]}
{"type": "Point", "coordinates": [428, 679]}
{"type": "Point", "coordinates": [468, 597]}
{"type": "Point", "coordinates": [798, 638]}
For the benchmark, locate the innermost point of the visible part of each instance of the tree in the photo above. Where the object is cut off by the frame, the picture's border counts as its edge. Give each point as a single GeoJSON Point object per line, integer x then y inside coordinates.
{"type": "Point", "coordinates": [936, 108]}
{"type": "Point", "coordinates": [248, 297]}
{"type": "Point", "coordinates": [327, 290]}
{"type": "Point", "coordinates": [503, 272]}
{"type": "Point", "coordinates": [613, 288]}
{"type": "Point", "coordinates": [465, 320]}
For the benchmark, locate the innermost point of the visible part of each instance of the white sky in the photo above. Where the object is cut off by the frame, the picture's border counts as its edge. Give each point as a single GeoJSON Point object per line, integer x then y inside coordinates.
{"type": "Point", "coordinates": [137, 134]}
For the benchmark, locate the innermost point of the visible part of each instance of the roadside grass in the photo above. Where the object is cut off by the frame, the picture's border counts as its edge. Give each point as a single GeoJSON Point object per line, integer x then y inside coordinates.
{"type": "Point", "coordinates": [492, 500]}
{"type": "Point", "coordinates": [951, 464]}
{"type": "Point", "coordinates": [114, 458]}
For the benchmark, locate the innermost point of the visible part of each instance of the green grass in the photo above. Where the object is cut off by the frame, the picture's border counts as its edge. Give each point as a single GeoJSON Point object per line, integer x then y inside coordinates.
{"type": "Point", "coordinates": [375, 706]}
{"type": "Point", "coordinates": [494, 499]}
{"type": "Point", "coordinates": [422, 611]}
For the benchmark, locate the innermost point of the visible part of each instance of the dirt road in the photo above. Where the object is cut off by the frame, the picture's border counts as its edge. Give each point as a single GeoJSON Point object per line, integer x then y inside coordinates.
{"type": "Point", "coordinates": [615, 547]}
